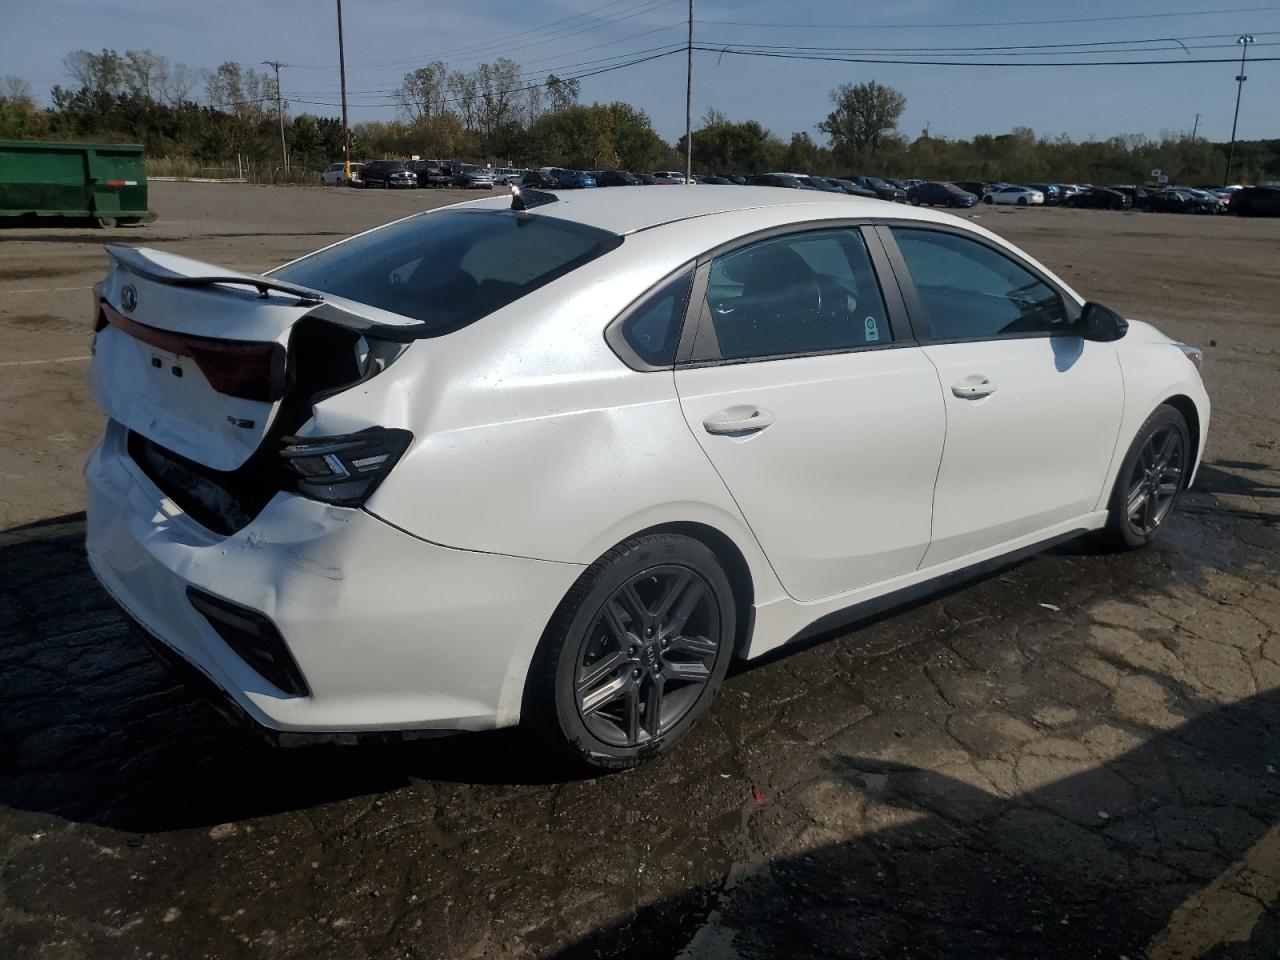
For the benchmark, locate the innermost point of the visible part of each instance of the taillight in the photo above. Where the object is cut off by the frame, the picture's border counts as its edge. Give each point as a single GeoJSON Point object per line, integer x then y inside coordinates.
{"type": "Point", "coordinates": [344, 469]}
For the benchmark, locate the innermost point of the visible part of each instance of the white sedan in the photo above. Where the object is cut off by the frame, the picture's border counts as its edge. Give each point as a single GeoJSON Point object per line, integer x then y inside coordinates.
{"type": "Point", "coordinates": [335, 175]}
{"type": "Point", "coordinates": [560, 459]}
{"type": "Point", "coordinates": [1021, 196]}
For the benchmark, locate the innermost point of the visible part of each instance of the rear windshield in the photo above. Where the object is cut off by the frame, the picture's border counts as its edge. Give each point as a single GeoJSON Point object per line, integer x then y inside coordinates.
{"type": "Point", "coordinates": [451, 268]}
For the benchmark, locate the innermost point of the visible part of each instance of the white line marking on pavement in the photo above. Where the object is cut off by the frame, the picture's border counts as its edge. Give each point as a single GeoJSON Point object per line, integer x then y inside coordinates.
{"type": "Point", "coordinates": [46, 289]}
{"type": "Point", "coordinates": [36, 363]}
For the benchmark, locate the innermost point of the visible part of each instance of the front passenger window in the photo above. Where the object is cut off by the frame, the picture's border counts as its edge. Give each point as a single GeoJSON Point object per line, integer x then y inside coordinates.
{"type": "Point", "coordinates": [970, 291]}
{"type": "Point", "coordinates": [803, 293]}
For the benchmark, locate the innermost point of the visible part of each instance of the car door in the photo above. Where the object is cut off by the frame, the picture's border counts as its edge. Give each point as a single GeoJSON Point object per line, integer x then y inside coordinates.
{"type": "Point", "coordinates": [1033, 408]}
{"type": "Point", "coordinates": [822, 416]}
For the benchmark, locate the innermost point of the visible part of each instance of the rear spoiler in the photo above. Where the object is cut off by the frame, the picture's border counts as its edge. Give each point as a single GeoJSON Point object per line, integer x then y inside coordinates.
{"type": "Point", "coordinates": [137, 262]}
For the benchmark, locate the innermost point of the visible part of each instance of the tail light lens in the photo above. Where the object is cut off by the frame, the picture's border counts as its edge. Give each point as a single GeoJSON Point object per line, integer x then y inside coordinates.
{"type": "Point", "coordinates": [345, 469]}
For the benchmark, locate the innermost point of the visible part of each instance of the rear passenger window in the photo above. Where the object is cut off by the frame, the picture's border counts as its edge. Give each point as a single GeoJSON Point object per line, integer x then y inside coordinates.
{"type": "Point", "coordinates": [653, 330]}
{"type": "Point", "coordinates": [804, 293]}
{"type": "Point", "coordinates": [969, 291]}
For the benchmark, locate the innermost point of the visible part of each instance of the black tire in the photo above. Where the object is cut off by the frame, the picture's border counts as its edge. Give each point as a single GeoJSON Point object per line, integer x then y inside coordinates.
{"type": "Point", "coordinates": [988, 199]}
{"type": "Point", "coordinates": [1022, 201]}
{"type": "Point", "coordinates": [584, 635]}
{"type": "Point", "coordinates": [1123, 530]}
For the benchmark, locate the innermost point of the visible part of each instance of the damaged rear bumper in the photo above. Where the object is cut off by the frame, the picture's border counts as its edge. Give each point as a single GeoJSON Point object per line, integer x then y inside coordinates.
{"type": "Point", "coordinates": [389, 632]}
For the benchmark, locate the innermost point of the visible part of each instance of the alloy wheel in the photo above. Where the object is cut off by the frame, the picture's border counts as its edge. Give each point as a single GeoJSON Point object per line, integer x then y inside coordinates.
{"type": "Point", "coordinates": [1155, 479]}
{"type": "Point", "coordinates": [648, 656]}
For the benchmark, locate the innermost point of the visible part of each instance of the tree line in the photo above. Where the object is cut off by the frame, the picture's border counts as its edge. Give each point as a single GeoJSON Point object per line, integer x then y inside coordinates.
{"type": "Point", "coordinates": [493, 113]}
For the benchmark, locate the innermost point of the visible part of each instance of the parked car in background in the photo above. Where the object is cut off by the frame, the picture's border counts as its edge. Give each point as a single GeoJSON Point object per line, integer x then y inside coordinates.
{"type": "Point", "coordinates": [1052, 195]}
{"type": "Point", "coordinates": [574, 179]}
{"type": "Point", "coordinates": [650, 180]}
{"type": "Point", "coordinates": [675, 176]}
{"type": "Point", "coordinates": [1210, 198]}
{"type": "Point", "coordinates": [1135, 194]}
{"type": "Point", "coordinates": [335, 175]}
{"type": "Point", "coordinates": [617, 178]}
{"type": "Point", "coordinates": [1068, 190]}
{"type": "Point", "coordinates": [470, 176]}
{"type": "Point", "coordinates": [976, 187]}
{"type": "Point", "coordinates": [388, 174]}
{"type": "Point", "coordinates": [539, 180]}
{"type": "Point", "coordinates": [1099, 198]}
{"type": "Point", "coordinates": [1173, 200]}
{"type": "Point", "coordinates": [508, 176]}
{"type": "Point", "coordinates": [1016, 195]}
{"type": "Point", "coordinates": [1260, 201]}
{"type": "Point", "coordinates": [777, 180]}
{"type": "Point", "coordinates": [940, 193]}
{"type": "Point", "coordinates": [882, 189]}
{"type": "Point", "coordinates": [819, 183]}
{"type": "Point", "coordinates": [853, 190]}
{"type": "Point", "coordinates": [719, 435]}
{"type": "Point", "coordinates": [718, 181]}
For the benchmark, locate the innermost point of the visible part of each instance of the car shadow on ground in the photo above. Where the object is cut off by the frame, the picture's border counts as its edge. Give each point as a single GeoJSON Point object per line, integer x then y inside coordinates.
{"type": "Point", "coordinates": [1170, 847]}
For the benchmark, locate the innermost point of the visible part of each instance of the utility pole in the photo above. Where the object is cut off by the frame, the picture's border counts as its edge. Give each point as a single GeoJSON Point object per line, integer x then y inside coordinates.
{"type": "Point", "coordinates": [284, 150]}
{"type": "Point", "coordinates": [1244, 40]}
{"type": "Point", "coordinates": [342, 73]}
{"type": "Point", "coordinates": [1195, 127]}
{"type": "Point", "coordinates": [688, 107]}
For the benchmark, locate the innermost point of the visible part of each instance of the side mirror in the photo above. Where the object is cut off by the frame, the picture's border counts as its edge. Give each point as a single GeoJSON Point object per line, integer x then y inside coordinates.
{"type": "Point", "coordinates": [1101, 323]}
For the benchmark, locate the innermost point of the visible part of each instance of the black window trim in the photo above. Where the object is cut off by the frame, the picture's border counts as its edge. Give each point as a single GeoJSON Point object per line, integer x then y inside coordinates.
{"type": "Point", "coordinates": [915, 307]}
{"type": "Point", "coordinates": [616, 338]}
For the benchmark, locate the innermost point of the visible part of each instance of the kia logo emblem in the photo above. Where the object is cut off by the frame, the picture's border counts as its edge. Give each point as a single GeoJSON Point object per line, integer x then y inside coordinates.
{"type": "Point", "coordinates": [128, 297]}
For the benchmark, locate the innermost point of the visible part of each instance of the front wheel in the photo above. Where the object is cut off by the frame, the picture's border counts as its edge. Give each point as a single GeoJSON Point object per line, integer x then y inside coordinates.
{"type": "Point", "coordinates": [634, 653]}
{"type": "Point", "coordinates": [1022, 201]}
{"type": "Point", "coordinates": [1152, 477]}
{"type": "Point", "coordinates": [988, 200]}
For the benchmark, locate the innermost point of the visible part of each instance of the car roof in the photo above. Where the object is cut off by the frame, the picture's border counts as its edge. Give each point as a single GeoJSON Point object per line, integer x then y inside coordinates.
{"type": "Point", "coordinates": [640, 208]}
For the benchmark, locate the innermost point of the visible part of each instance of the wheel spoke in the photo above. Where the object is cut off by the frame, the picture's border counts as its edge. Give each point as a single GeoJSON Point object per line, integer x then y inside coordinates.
{"type": "Point", "coordinates": [634, 606]}
{"type": "Point", "coordinates": [619, 686]}
{"type": "Point", "coordinates": [1168, 489]}
{"type": "Point", "coordinates": [699, 647]}
{"type": "Point", "coordinates": [1148, 456]}
{"type": "Point", "coordinates": [653, 706]}
{"type": "Point", "coordinates": [676, 587]}
{"type": "Point", "coordinates": [1137, 499]}
{"type": "Point", "coordinates": [613, 614]}
{"type": "Point", "coordinates": [1148, 513]}
{"type": "Point", "coordinates": [591, 676]}
{"type": "Point", "coordinates": [692, 596]}
{"type": "Point", "coordinates": [686, 672]}
{"type": "Point", "coordinates": [1167, 449]}
{"type": "Point", "coordinates": [631, 713]}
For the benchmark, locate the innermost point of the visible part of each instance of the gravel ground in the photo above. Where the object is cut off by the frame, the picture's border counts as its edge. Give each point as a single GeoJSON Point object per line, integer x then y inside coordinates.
{"type": "Point", "coordinates": [1075, 757]}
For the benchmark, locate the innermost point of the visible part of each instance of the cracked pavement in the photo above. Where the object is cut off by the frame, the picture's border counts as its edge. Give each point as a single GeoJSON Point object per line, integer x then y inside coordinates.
{"type": "Point", "coordinates": [1073, 757]}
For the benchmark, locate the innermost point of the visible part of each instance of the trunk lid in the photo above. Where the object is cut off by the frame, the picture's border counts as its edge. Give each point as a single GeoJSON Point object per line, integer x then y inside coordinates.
{"type": "Point", "coordinates": [203, 361]}
{"type": "Point", "coordinates": [193, 357]}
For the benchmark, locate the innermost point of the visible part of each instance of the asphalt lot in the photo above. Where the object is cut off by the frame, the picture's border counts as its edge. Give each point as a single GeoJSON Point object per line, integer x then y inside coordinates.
{"type": "Point", "coordinates": [1076, 757]}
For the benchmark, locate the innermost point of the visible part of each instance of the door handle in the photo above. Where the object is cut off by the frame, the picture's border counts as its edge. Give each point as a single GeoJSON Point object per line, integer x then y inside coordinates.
{"type": "Point", "coordinates": [974, 387]}
{"type": "Point", "coordinates": [738, 421]}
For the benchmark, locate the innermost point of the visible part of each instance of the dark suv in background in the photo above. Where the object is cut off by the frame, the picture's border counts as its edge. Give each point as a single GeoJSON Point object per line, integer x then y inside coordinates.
{"type": "Point", "coordinates": [938, 193]}
{"type": "Point", "coordinates": [388, 174]}
{"type": "Point", "coordinates": [881, 188]}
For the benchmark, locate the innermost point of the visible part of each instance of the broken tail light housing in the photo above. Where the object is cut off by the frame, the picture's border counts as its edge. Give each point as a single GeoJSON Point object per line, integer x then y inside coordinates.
{"type": "Point", "coordinates": [344, 469]}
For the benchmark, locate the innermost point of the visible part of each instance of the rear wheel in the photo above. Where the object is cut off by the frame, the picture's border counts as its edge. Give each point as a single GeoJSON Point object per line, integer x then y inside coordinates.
{"type": "Point", "coordinates": [634, 654]}
{"type": "Point", "coordinates": [1022, 201]}
{"type": "Point", "coordinates": [1151, 478]}
{"type": "Point", "coordinates": [988, 199]}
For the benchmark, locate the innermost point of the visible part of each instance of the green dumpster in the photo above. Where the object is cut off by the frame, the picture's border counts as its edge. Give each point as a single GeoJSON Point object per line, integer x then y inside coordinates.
{"type": "Point", "coordinates": [104, 181]}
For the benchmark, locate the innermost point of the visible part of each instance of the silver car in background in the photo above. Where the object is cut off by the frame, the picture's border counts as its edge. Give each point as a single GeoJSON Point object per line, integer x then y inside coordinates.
{"type": "Point", "coordinates": [469, 176]}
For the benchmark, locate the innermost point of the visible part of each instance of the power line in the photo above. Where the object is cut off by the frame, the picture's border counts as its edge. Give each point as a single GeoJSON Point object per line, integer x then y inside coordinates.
{"type": "Point", "coordinates": [532, 86]}
{"type": "Point", "coordinates": [1016, 46]}
{"type": "Point", "coordinates": [960, 53]}
{"type": "Point", "coordinates": [730, 51]}
{"type": "Point", "coordinates": [986, 23]}
{"type": "Point", "coordinates": [494, 47]}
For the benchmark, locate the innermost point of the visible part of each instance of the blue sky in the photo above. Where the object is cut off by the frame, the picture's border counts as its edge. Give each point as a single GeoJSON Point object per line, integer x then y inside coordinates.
{"type": "Point", "coordinates": [384, 38]}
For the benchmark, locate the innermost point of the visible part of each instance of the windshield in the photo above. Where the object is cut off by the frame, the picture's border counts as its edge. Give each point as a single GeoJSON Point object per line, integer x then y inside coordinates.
{"type": "Point", "coordinates": [451, 268]}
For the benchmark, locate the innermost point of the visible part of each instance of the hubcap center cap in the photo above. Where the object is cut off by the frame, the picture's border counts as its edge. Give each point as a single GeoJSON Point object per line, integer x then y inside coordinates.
{"type": "Point", "coordinates": [649, 656]}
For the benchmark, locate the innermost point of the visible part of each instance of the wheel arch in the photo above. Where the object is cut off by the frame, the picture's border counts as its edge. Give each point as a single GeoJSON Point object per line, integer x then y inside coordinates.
{"type": "Point", "coordinates": [735, 566]}
{"type": "Point", "coordinates": [1187, 407]}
